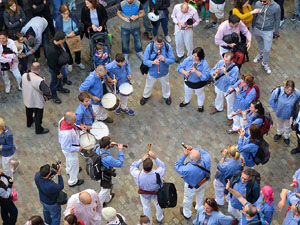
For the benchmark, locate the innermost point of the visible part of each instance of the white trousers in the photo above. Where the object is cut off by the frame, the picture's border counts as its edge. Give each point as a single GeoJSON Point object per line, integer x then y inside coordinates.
{"type": "Point", "coordinates": [104, 195]}
{"type": "Point", "coordinates": [219, 192]}
{"type": "Point", "coordinates": [72, 166]}
{"type": "Point", "coordinates": [283, 126]}
{"type": "Point", "coordinates": [188, 198]}
{"type": "Point", "coordinates": [7, 165]}
{"type": "Point", "coordinates": [238, 122]}
{"type": "Point", "coordinates": [147, 208]}
{"type": "Point", "coordinates": [101, 113]}
{"type": "Point", "coordinates": [219, 101]}
{"type": "Point", "coordinates": [165, 86]}
{"type": "Point", "coordinates": [123, 101]}
{"type": "Point", "coordinates": [16, 74]}
{"type": "Point", "coordinates": [183, 38]}
{"type": "Point", "coordinates": [235, 212]}
{"type": "Point", "coordinates": [188, 93]}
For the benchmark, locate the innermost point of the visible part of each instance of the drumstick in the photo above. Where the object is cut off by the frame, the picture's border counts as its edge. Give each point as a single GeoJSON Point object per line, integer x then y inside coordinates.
{"type": "Point", "coordinates": [115, 86]}
{"type": "Point", "coordinates": [149, 148]}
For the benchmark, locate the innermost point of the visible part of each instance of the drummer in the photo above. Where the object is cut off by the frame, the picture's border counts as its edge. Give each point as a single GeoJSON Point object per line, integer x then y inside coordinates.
{"type": "Point", "coordinates": [92, 85]}
{"type": "Point", "coordinates": [119, 72]}
{"type": "Point", "coordinates": [85, 115]}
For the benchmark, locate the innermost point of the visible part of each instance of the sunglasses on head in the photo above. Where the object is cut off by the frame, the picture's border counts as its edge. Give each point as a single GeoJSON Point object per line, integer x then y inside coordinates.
{"type": "Point", "coordinates": [263, 1]}
{"type": "Point", "coordinates": [210, 202]}
{"type": "Point", "coordinates": [297, 205]}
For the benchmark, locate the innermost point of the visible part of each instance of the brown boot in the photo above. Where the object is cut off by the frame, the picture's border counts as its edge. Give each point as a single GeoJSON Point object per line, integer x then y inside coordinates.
{"type": "Point", "coordinates": [15, 165]}
{"type": "Point", "coordinates": [229, 122]}
{"type": "Point", "coordinates": [214, 111]}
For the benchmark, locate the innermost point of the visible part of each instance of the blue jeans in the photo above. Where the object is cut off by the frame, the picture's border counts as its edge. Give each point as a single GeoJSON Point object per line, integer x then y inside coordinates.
{"type": "Point", "coordinates": [52, 214]}
{"type": "Point", "coordinates": [146, 20]}
{"type": "Point", "coordinates": [136, 33]}
{"type": "Point", "coordinates": [164, 24]}
{"type": "Point", "coordinates": [56, 5]}
{"type": "Point", "coordinates": [45, 37]}
{"type": "Point", "coordinates": [56, 83]}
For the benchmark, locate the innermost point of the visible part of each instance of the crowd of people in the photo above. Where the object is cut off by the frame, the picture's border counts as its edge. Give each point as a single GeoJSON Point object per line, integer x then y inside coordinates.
{"type": "Point", "coordinates": [236, 180]}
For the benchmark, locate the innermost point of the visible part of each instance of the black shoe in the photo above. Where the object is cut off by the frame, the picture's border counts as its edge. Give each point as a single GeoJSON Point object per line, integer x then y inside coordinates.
{"type": "Point", "coordinates": [45, 131]}
{"type": "Point", "coordinates": [80, 169]}
{"type": "Point", "coordinates": [182, 104]}
{"type": "Point", "coordinates": [79, 182]}
{"type": "Point", "coordinates": [64, 90]}
{"type": "Point", "coordinates": [56, 100]}
{"type": "Point", "coordinates": [211, 25]}
{"type": "Point", "coordinates": [277, 137]}
{"type": "Point", "coordinates": [178, 59]}
{"type": "Point", "coordinates": [107, 120]}
{"type": "Point", "coordinates": [181, 211]}
{"type": "Point", "coordinates": [286, 142]}
{"type": "Point", "coordinates": [29, 125]}
{"type": "Point", "coordinates": [143, 101]}
{"type": "Point", "coordinates": [201, 109]}
{"type": "Point", "coordinates": [112, 195]}
{"type": "Point", "coordinates": [295, 151]}
{"type": "Point", "coordinates": [66, 81]}
{"type": "Point", "coordinates": [168, 101]}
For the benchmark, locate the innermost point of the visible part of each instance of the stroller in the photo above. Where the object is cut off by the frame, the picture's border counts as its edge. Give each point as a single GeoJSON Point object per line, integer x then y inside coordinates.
{"type": "Point", "coordinates": [99, 38]}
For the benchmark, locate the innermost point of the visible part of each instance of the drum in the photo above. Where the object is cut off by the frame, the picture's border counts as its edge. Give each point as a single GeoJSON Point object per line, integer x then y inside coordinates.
{"type": "Point", "coordinates": [110, 102]}
{"type": "Point", "coordinates": [126, 89]}
{"type": "Point", "coordinates": [87, 141]}
{"type": "Point", "coordinates": [99, 130]}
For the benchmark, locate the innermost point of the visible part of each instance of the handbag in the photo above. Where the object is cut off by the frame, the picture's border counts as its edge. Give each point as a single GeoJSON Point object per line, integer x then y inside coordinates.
{"type": "Point", "coordinates": [74, 43]}
{"type": "Point", "coordinates": [62, 198]}
{"type": "Point", "coordinates": [5, 66]}
{"type": "Point", "coordinates": [14, 195]}
{"type": "Point", "coordinates": [294, 126]}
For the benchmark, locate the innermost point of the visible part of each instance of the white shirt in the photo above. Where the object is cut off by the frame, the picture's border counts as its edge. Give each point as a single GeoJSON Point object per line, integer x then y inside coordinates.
{"type": "Point", "coordinates": [180, 17]}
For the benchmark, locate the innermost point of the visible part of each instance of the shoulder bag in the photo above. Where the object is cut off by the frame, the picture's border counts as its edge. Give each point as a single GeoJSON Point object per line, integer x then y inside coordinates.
{"type": "Point", "coordinates": [74, 43]}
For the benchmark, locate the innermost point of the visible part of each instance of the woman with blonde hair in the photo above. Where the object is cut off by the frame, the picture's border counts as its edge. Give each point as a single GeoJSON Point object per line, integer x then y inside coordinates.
{"type": "Point", "coordinates": [265, 203]}
{"type": "Point", "coordinates": [14, 17]}
{"type": "Point", "coordinates": [229, 164]}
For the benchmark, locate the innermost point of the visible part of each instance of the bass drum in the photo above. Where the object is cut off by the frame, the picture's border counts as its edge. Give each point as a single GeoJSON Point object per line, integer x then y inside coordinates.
{"type": "Point", "coordinates": [99, 130]}
{"type": "Point", "coordinates": [126, 89]}
{"type": "Point", "coordinates": [110, 102]}
{"type": "Point", "coordinates": [87, 141]}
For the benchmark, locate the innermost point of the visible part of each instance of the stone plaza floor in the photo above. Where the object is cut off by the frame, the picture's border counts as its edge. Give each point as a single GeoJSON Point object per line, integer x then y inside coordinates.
{"type": "Point", "coordinates": [165, 127]}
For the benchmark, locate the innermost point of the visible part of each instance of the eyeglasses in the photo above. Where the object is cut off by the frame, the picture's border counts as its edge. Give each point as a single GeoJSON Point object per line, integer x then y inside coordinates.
{"type": "Point", "coordinates": [263, 1]}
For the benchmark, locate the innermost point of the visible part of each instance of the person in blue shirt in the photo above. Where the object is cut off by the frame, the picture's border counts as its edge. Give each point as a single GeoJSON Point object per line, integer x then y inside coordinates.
{"type": "Point", "coordinates": [109, 162]}
{"type": "Point", "coordinates": [119, 73]}
{"type": "Point", "coordinates": [229, 164]}
{"type": "Point", "coordinates": [249, 211]}
{"type": "Point", "coordinates": [49, 192]}
{"type": "Point", "coordinates": [282, 101]}
{"type": "Point", "coordinates": [93, 85]}
{"type": "Point", "coordinates": [255, 115]}
{"type": "Point", "coordinates": [85, 115]}
{"type": "Point", "coordinates": [296, 181]}
{"type": "Point", "coordinates": [245, 93]}
{"type": "Point", "coordinates": [226, 74]}
{"type": "Point", "coordinates": [293, 214]}
{"type": "Point", "coordinates": [158, 68]}
{"type": "Point", "coordinates": [249, 147]}
{"type": "Point", "coordinates": [7, 150]}
{"type": "Point", "coordinates": [209, 214]}
{"type": "Point", "coordinates": [147, 183]}
{"type": "Point", "coordinates": [265, 203]}
{"type": "Point", "coordinates": [101, 56]}
{"type": "Point", "coordinates": [195, 70]}
{"type": "Point", "coordinates": [195, 174]}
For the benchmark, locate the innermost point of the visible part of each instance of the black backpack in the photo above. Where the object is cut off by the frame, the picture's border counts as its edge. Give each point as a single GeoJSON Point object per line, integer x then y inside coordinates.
{"type": "Point", "coordinates": [240, 54]}
{"type": "Point", "coordinates": [122, 222]}
{"type": "Point", "coordinates": [94, 166]}
{"type": "Point", "coordinates": [167, 194]}
{"type": "Point", "coordinates": [263, 153]}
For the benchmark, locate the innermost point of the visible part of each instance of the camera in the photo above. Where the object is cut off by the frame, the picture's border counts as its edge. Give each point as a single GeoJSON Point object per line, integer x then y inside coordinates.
{"type": "Point", "coordinates": [54, 168]}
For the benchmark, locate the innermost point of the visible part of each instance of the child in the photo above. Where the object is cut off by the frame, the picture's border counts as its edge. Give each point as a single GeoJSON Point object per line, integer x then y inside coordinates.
{"type": "Point", "coordinates": [101, 56]}
{"type": "Point", "coordinates": [296, 181]}
{"type": "Point", "coordinates": [85, 115]}
{"type": "Point", "coordinates": [22, 50]}
{"type": "Point", "coordinates": [205, 14]}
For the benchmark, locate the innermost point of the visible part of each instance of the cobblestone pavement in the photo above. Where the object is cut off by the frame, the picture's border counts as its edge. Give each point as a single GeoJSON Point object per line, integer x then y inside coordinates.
{"type": "Point", "coordinates": [163, 126]}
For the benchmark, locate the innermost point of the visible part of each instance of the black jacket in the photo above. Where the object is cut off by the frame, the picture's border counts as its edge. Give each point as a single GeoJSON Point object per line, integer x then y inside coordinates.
{"type": "Point", "coordinates": [41, 8]}
{"type": "Point", "coordinates": [53, 53]}
{"type": "Point", "coordinates": [296, 110]}
{"type": "Point", "coordinates": [160, 5]}
{"type": "Point", "coordinates": [86, 18]}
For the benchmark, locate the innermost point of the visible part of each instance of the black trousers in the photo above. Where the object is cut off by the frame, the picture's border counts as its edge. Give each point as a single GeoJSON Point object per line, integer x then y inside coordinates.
{"type": "Point", "coordinates": [9, 213]}
{"type": "Point", "coordinates": [280, 3]}
{"type": "Point", "coordinates": [37, 119]}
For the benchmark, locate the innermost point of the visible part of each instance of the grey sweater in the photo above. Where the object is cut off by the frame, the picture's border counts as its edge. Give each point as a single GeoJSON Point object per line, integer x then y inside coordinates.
{"type": "Point", "coordinates": [268, 18]}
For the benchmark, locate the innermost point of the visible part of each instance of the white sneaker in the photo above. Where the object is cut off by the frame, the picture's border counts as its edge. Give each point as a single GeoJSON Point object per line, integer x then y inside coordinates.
{"type": "Point", "coordinates": [168, 39]}
{"type": "Point", "coordinates": [7, 89]}
{"type": "Point", "coordinates": [70, 68]}
{"type": "Point", "coordinates": [126, 57]}
{"type": "Point", "coordinates": [281, 23]}
{"type": "Point", "coordinates": [207, 21]}
{"type": "Point", "coordinates": [266, 68]}
{"type": "Point", "coordinates": [201, 19]}
{"type": "Point", "coordinates": [258, 58]}
{"type": "Point", "coordinates": [19, 88]}
{"type": "Point", "coordinates": [81, 66]}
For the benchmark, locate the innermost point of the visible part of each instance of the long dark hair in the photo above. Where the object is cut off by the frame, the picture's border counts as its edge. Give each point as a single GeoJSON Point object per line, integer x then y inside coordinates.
{"type": "Point", "coordinates": [72, 220]}
{"type": "Point", "coordinates": [260, 109]}
{"type": "Point", "coordinates": [239, 5]}
{"type": "Point", "coordinates": [255, 132]}
{"type": "Point", "coordinates": [212, 203]}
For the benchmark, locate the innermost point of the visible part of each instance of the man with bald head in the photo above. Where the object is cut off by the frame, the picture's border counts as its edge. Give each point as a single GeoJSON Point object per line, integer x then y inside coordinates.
{"type": "Point", "coordinates": [33, 91]}
{"type": "Point", "coordinates": [195, 174]}
{"type": "Point", "coordinates": [86, 206]}
{"type": "Point", "coordinates": [68, 137]}
{"type": "Point", "coordinates": [185, 18]}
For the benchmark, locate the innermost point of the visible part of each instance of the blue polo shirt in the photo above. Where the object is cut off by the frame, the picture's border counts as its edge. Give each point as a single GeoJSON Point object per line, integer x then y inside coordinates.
{"type": "Point", "coordinates": [244, 220]}
{"type": "Point", "coordinates": [239, 187]}
{"type": "Point", "coordinates": [84, 115]}
{"type": "Point", "coordinates": [247, 150]}
{"type": "Point", "coordinates": [243, 100]}
{"type": "Point", "coordinates": [120, 72]}
{"type": "Point", "coordinates": [290, 218]}
{"type": "Point", "coordinates": [109, 161]}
